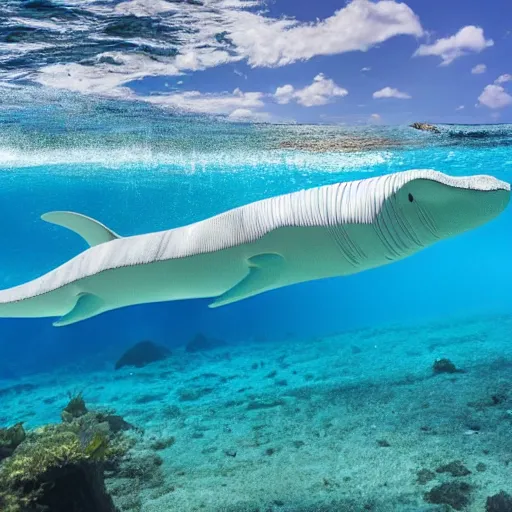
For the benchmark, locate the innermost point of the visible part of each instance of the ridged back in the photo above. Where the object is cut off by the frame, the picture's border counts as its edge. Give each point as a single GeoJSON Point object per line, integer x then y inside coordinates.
{"type": "Point", "coordinates": [332, 205]}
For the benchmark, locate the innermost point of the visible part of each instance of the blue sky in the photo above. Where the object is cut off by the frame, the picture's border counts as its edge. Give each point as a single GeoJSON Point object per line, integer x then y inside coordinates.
{"type": "Point", "coordinates": [329, 61]}
{"type": "Point", "coordinates": [437, 92]}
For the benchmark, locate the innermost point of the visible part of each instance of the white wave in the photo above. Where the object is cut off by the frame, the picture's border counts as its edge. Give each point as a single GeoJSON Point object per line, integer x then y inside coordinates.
{"type": "Point", "coordinates": [37, 23]}
{"type": "Point", "coordinates": [80, 160]}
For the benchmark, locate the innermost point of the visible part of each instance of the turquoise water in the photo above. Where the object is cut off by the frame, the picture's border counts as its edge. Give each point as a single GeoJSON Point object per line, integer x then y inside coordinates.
{"type": "Point", "coordinates": [310, 380]}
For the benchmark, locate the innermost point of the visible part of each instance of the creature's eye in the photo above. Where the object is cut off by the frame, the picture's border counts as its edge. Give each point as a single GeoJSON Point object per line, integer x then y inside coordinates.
{"type": "Point", "coordinates": [411, 198]}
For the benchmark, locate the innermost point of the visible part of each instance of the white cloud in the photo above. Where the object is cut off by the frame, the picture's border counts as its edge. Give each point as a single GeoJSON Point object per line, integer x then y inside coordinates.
{"type": "Point", "coordinates": [460, 107]}
{"type": "Point", "coordinates": [468, 39]}
{"type": "Point", "coordinates": [356, 27]}
{"type": "Point", "coordinates": [495, 97]}
{"type": "Point", "coordinates": [503, 79]}
{"type": "Point", "coordinates": [322, 91]}
{"type": "Point", "coordinates": [202, 59]}
{"type": "Point", "coordinates": [284, 94]}
{"type": "Point", "coordinates": [390, 92]}
{"type": "Point", "coordinates": [375, 118]}
{"type": "Point", "coordinates": [245, 114]}
{"type": "Point", "coordinates": [366, 69]}
{"type": "Point", "coordinates": [479, 69]}
{"type": "Point", "coordinates": [234, 104]}
{"type": "Point", "coordinates": [239, 73]}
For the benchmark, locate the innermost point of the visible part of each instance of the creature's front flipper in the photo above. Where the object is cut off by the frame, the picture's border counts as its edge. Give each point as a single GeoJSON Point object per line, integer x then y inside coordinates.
{"type": "Point", "coordinates": [264, 272]}
{"type": "Point", "coordinates": [86, 306]}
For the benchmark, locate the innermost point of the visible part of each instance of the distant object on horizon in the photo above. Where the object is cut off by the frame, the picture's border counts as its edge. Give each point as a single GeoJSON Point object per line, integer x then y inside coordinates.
{"type": "Point", "coordinates": [426, 127]}
{"type": "Point", "coordinates": [329, 231]}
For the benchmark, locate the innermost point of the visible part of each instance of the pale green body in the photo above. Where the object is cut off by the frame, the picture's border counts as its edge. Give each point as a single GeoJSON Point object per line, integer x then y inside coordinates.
{"type": "Point", "coordinates": [330, 231]}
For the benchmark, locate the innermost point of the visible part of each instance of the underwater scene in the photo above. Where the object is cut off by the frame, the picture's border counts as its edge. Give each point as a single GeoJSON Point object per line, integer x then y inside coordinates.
{"type": "Point", "coordinates": [253, 301]}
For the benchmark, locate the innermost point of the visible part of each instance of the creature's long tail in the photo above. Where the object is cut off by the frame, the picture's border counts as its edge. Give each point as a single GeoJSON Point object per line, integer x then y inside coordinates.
{"type": "Point", "coordinates": [53, 294]}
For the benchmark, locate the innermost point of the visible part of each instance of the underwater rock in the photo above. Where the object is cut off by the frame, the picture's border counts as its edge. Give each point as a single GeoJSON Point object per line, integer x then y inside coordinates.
{"type": "Point", "coordinates": [383, 443]}
{"type": "Point", "coordinates": [501, 502]}
{"type": "Point", "coordinates": [75, 408]}
{"type": "Point", "coordinates": [200, 343]}
{"type": "Point", "coordinates": [455, 468]}
{"type": "Point", "coordinates": [142, 354]}
{"type": "Point", "coordinates": [426, 127]}
{"type": "Point", "coordinates": [10, 439]}
{"type": "Point", "coordinates": [55, 459]}
{"type": "Point", "coordinates": [445, 366]}
{"type": "Point", "coordinates": [455, 494]}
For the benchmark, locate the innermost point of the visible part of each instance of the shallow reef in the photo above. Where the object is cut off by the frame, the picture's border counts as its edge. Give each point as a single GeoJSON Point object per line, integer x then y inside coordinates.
{"type": "Point", "coordinates": [60, 467]}
{"type": "Point", "coordinates": [10, 439]}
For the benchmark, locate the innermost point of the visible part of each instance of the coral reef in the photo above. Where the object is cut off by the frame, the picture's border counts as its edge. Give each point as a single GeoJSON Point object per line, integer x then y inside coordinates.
{"type": "Point", "coordinates": [60, 467]}
{"type": "Point", "coordinates": [142, 354]}
{"type": "Point", "coordinates": [10, 439]}
{"type": "Point", "coordinates": [75, 408]}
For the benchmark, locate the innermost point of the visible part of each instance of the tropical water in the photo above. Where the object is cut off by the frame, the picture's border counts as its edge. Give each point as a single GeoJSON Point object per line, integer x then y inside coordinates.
{"type": "Point", "coordinates": [320, 396]}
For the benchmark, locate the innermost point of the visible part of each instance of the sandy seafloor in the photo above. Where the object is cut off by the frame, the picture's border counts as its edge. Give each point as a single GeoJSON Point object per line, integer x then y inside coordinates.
{"type": "Point", "coordinates": [306, 419]}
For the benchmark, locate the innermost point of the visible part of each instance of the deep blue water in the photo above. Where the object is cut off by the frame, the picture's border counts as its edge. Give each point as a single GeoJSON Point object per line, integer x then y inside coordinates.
{"type": "Point", "coordinates": [158, 172]}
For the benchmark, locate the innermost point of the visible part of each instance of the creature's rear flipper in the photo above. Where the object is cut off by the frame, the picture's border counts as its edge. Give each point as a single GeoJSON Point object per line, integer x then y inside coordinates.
{"type": "Point", "coordinates": [87, 306]}
{"type": "Point", "coordinates": [92, 231]}
{"type": "Point", "coordinates": [264, 271]}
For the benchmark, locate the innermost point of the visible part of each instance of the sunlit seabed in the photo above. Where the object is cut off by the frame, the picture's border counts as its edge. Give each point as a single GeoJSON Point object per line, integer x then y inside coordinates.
{"type": "Point", "coordinates": [334, 423]}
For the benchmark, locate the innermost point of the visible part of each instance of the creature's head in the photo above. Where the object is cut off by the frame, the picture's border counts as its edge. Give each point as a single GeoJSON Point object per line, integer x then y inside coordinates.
{"type": "Point", "coordinates": [423, 206]}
